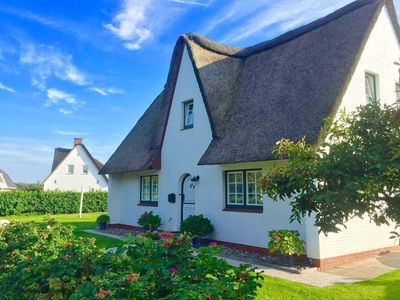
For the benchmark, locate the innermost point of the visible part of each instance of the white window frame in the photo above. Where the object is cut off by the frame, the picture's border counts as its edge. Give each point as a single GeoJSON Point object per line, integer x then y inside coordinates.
{"type": "Point", "coordinates": [244, 190]}
{"type": "Point", "coordinates": [374, 89]}
{"type": "Point", "coordinates": [70, 170]}
{"type": "Point", "coordinates": [188, 118]}
{"type": "Point", "coordinates": [85, 169]}
{"type": "Point", "coordinates": [151, 196]}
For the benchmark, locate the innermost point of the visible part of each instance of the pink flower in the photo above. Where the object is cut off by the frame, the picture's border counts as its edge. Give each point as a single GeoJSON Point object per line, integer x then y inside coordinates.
{"type": "Point", "coordinates": [174, 271]}
{"type": "Point", "coordinates": [276, 237]}
{"type": "Point", "coordinates": [213, 244]}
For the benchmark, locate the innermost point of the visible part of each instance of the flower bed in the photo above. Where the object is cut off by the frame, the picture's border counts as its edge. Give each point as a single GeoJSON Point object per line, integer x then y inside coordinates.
{"type": "Point", "coordinates": [45, 261]}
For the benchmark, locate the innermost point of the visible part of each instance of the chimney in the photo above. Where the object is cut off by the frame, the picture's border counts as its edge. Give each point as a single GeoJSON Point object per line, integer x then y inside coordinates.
{"type": "Point", "coordinates": [78, 141]}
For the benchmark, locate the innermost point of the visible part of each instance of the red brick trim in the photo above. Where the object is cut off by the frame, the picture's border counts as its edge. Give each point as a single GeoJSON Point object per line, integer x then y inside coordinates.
{"type": "Point", "coordinates": [327, 263]}
{"type": "Point", "coordinates": [252, 211]}
{"type": "Point", "coordinates": [126, 227]}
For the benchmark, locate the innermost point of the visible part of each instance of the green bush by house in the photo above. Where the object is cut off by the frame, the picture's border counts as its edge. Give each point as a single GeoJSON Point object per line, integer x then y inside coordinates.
{"type": "Point", "coordinates": [50, 202]}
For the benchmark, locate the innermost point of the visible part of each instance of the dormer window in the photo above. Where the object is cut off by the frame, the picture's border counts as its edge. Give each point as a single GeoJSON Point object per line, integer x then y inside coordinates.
{"type": "Point", "coordinates": [371, 87]}
{"type": "Point", "coordinates": [188, 114]}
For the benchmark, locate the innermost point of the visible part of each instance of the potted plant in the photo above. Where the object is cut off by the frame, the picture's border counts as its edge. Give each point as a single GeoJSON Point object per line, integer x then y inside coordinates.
{"type": "Point", "coordinates": [198, 226]}
{"type": "Point", "coordinates": [102, 221]}
{"type": "Point", "coordinates": [285, 243]}
{"type": "Point", "coordinates": [149, 221]}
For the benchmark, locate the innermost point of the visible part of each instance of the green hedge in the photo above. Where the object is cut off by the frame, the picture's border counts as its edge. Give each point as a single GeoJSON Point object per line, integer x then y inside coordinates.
{"type": "Point", "coordinates": [50, 202]}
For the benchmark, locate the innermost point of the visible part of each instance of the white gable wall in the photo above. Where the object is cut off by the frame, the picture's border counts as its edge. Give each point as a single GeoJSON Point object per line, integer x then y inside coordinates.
{"type": "Point", "coordinates": [61, 180]}
{"type": "Point", "coordinates": [380, 53]}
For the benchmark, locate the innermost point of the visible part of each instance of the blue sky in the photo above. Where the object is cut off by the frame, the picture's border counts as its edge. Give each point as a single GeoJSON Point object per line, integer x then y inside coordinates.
{"type": "Point", "coordinates": [90, 68]}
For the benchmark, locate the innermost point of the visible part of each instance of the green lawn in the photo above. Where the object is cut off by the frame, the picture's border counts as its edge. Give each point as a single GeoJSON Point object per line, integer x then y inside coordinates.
{"type": "Point", "coordinates": [385, 287]}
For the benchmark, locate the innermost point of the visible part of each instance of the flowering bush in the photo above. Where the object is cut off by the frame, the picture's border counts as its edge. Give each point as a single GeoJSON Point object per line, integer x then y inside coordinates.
{"type": "Point", "coordinates": [149, 221]}
{"type": "Point", "coordinates": [45, 261]}
{"type": "Point", "coordinates": [285, 242]}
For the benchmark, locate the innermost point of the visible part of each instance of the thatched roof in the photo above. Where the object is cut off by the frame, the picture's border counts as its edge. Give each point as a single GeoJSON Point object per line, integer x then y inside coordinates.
{"type": "Point", "coordinates": [10, 184]}
{"type": "Point", "coordinates": [255, 96]}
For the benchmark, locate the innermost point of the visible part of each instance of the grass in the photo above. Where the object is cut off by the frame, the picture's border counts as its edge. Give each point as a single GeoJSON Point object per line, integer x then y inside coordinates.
{"type": "Point", "coordinates": [88, 221]}
{"type": "Point", "coordinates": [385, 287]}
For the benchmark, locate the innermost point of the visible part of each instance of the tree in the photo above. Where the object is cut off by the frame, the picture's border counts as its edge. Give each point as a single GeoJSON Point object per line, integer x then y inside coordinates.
{"type": "Point", "coordinates": [353, 171]}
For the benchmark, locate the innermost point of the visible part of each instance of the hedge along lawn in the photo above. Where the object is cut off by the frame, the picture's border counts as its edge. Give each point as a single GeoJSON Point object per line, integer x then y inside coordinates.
{"type": "Point", "coordinates": [88, 221]}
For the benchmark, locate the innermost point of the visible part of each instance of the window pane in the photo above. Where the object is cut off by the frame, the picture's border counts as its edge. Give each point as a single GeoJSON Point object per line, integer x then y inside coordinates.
{"type": "Point", "coordinates": [188, 114]}
{"type": "Point", "coordinates": [154, 196]}
{"type": "Point", "coordinates": [232, 198]}
{"type": "Point", "coordinates": [239, 177]}
{"type": "Point", "coordinates": [232, 188]}
{"type": "Point", "coordinates": [239, 198]}
{"type": "Point", "coordinates": [84, 169]}
{"type": "Point", "coordinates": [370, 86]}
{"type": "Point", "coordinates": [239, 188]}
{"type": "Point", "coordinates": [251, 188]}
{"type": "Point", "coordinates": [145, 188]}
{"type": "Point", "coordinates": [251, 199]}
{"type": "Point", "coordinates": [259, 199]}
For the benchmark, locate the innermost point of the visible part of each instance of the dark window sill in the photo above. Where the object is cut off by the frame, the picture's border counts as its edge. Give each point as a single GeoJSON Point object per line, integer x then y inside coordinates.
{"type": "Point", "coordinates": [152, 204]}
{"type": "Point", "coordinates": [249, 210]}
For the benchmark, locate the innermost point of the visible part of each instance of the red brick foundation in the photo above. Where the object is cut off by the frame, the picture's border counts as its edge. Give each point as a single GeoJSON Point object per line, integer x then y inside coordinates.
{"type": "Point", "coordinates": [327, 263]}
{"type": "Point", "coordinates": [126, 227]}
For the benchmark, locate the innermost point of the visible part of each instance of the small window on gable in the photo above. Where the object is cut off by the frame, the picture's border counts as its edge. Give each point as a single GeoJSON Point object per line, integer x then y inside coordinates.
{"type": "Point", "coordinates": [85, 169]}
{"type": "Point", "coordinates": [371, 87]}
{"type": "Point", "coordinates": [188, 114]}
{"type": "Point", "coordinates": [397, 91]}
{"type": "Point", "coordinates": [70, 169]}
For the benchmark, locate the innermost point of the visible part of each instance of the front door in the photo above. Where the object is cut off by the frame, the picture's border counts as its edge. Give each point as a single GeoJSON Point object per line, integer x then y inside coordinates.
{"type": "Point", "coordinates": [187, 197]}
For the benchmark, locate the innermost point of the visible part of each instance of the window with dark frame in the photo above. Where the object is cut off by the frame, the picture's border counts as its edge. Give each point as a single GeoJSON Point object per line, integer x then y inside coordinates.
{"type": "Point", "coordinates": [149, 190]}
{"type": "Point", "coordinates": [371, 89]}
{"type": "Point", "coordinates": [188, 114]}
{"type": "Point", "coordinates": [397, 91]}
{"type": "Point", "coordinates": [243, 190]}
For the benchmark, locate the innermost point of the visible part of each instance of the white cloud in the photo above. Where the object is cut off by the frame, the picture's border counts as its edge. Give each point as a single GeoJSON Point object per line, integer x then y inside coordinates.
{"type": "Point", "coordinates": [48, 61]}
{"type": "Point", "coordinates": [245, 19]}
{"type": "Point", "coordinates": [65, 111]}
{"type": "Point", "coordinates": [6, 88]}
{"type": "Point", "coordinates": [69, 133]}
{"type": "Point", "coordinates": [131, 23]}
{"type": "Point", "coordinates": [140, 21]}
{"type": "Point", "coordinates": [106, 91]}
{"type": "Point", "coordinates": [55, 96]}
{"type": "Point", "coordinates": [193, 2]}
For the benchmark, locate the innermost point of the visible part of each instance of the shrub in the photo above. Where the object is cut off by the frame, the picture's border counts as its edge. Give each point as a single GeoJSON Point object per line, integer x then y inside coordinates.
{"type": "Point", "coordinates": [104, 218]}
{"type": "Point", "coordinates": [197, 225]}
{"type": "Point", "coordinates": [285, 242]}
{"type": "Point", "coordinates": [50, 202]}
{"type": "Point", "coordinates": [45, 261]}
{"type": "Point", "coordinates": [149, 221]}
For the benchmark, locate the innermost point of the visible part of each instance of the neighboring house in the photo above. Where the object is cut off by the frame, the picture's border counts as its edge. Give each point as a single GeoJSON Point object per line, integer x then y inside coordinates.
{"type": "Point", "coordinates": [207, 138]}
{"type": "Point", "coordinates": [75, 169]}
{"type": "Point", "coordinates": [6, 184]}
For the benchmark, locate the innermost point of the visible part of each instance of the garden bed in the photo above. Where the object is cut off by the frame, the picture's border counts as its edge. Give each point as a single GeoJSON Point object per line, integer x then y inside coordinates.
{"type": "Point", "coordinates": [236, 254]}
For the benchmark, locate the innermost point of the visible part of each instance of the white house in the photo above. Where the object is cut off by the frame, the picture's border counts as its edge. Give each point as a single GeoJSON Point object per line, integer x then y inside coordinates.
{"type": "Point", "coordinates": [201, 145]}
{"type": "Point", "coordinates": [75, 169]}
{"type": "Point", "coordinates": [6, 183]}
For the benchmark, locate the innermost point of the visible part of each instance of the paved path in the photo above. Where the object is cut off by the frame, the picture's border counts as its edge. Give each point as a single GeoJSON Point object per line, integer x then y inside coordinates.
{"type": "Point", "coordinates": [368, 268]}
{"type": "Point", "coordinates": [349, 273]}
